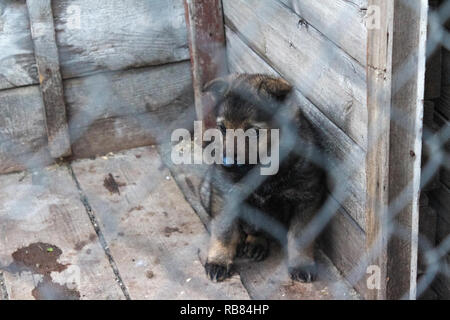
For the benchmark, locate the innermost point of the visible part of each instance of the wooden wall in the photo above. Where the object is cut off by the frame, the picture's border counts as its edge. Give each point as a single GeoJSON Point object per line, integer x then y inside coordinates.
{"type": "Point", "coordinates": [347, 81]}
{"type": "Point", "coordinates": [292, 39]}
{"type": "Point", "coordinates": [126, 77]}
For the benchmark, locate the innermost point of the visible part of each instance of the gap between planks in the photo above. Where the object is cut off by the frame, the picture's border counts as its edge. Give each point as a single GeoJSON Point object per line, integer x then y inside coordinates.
{"type": "Point", "coordinates": [99, 233]}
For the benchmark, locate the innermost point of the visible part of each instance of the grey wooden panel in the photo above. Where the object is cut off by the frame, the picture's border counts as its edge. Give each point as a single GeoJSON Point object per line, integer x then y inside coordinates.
{"type": "Point", "coordinates": [47, 60]}
{"type": "Point", "coordinates": [242, 59]}
{"type": "Point", "coordinates": [23, 138]}
{"type": "Point", "coordinates": [17, 63]}
{"type": "Point", "coordinates": [45, 208]}
{"type": "Point", "coordinates": [151, 230]}
{"type": "Point", "coordinates": [95, 36]}
{"type": "Point", "coordinates": [339, 21]}
{"type": "Point", "coordinates": [120, 110]}
{"type": "Point", "coordinates": [123, 93]}
{"type": "Point", "coordinates": [322, 72]}
{"type": "Point", "coordinates": [405, 146]}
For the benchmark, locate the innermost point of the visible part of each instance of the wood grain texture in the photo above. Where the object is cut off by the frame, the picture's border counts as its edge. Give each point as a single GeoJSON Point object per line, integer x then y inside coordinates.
{"type": "Point", "coordinates": [126, 93]}
{"type": "Point", "coordinates": [269, 279]}
{"type": "Point", "coordinates": [47, 61]}
{"type": "Point", "coordinates": [408, 84]}
{"type": "Point", "coordinates": [120, 110]}
{"type": "Point", "coordinates": [95, 36]}
{"type": "Point", "coordinates": [23, 138]}
{"type": "Point", "coordinates": [340, 147]}
{"type": "Point", "coordinates": [338, 20]}
{"type": "Point", "coordinates": [344, 239]}
{"type": "Point", "coordinates": [204, 20]}
{"type": "Point", "coordinates": [344, 243]}
{"type": "Point", "coordinates": [320, 70]}
{"type": "Point", "coordinates": [379, 72]}
{"type": "Point", "coordinates": [45, 207]}
{"type": "Point", "coordinates": [156, 238]}
{"type": "Point", "coordinates": [17, 62]}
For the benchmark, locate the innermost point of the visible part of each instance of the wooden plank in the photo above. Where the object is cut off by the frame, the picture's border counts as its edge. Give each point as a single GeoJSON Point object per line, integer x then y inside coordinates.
{"type": "Point", "coordinates": [120, 110]}
{"type": "Point", "coordinates": [17, 62]}
{"type": "Point", "coordinates": [116, 134]}
{"type": "Point", "coordinates": [343, 240]}
{"type": "Point", "coordinates": [341, 148]}
{"type": "Point", "coordinates": [322, 72]}
{"type": "Point", "coordinates": [47, 60]}
{"type": "Point", "coordinates": [96, 36]}
{"type": "Point", "coordinates": [344, 243]}
{"type": "Point", "coordinates": [125, 93]}
{"type": "Point", "coordinates": [23, 139]}
{"type": "Point", "coordinates": [151, 230]}
{"type": "Point", "coordinates": [204, 21]}
{"type": "Point", "coordinates": [43, 210]}
{"type": "Point", "coordinates": [379, 68]}
{"type": "Point", "coordinates": [408, 82]}
{"type": "Point", "coordinates": [269, 280]}
{"type": "Point", "coordinates": [344, 23]}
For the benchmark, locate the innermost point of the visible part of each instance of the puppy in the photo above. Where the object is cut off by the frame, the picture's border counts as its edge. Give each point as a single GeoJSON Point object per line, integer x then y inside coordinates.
{"type": "Point", "coordinates": [282, 206]}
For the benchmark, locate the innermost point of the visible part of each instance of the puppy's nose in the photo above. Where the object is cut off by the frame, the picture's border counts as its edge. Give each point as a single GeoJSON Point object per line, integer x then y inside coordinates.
{"type": "Point", "coordinates": [229, 162]}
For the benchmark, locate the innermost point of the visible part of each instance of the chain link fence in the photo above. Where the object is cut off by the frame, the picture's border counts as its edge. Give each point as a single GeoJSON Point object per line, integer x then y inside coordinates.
{"type": "Point", "coordinates": [433, 253]}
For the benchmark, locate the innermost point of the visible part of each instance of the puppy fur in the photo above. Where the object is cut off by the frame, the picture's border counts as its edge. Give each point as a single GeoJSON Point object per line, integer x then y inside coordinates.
{"type": "Point", "coordinates": [287, 201]}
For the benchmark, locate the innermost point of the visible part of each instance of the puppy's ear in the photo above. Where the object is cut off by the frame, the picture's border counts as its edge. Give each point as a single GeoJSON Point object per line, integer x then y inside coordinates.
{"type": "Point", "coordinates": [276, 87]}
{"type": "Point", "coordinates": [219, 87]}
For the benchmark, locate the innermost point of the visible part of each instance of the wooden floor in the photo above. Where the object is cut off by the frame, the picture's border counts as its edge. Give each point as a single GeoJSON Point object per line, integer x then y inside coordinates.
{"type": "Point", "coordinates": [120, 227]}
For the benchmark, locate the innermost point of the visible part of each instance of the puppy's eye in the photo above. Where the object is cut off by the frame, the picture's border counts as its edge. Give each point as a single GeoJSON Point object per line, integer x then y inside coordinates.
{"type": "Point", "coordinates": [222, 128]}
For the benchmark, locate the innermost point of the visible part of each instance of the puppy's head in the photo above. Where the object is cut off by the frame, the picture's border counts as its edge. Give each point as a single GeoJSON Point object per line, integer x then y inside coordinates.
{"type": "Point", "coordinates": [248, 101]}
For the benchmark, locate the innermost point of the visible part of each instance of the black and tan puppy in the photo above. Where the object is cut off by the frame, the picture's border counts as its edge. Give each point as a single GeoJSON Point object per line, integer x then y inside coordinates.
{"type": "Point", "coordinates": [282, 206]}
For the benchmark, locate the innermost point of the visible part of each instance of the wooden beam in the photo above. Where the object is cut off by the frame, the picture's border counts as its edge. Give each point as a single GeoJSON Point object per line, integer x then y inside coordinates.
{"type": "Point", "coordinates": [204, 20]}
{"type": "Point", "coordinates": [379, 71]}
{"type": "Point", "coordinates": [395, 81]}
{"type": "Point", "coordinates": [408, 85]}
{"type": "Point", "coordinates": [47, 61]}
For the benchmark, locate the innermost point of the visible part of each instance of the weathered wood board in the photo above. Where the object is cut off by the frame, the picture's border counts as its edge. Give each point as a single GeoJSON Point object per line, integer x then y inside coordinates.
{"type": "Point", "coordinates": [104, 116]}
{"type": "Point", "coordinates": [49, 247]}
{"type": "Point", "coordinates": [405, 145]}
{"type": "Point", "coordinates": [125, 93]}
{"type": "Point", "coordinates": [47, 61]}
{"type": "Point", "coordinates": [23, 139]}
{"type": "Point", "coordinates": [321, 71]}
{"type": "Point", "coordinates": [242, 59]}
{"type": "Point", "coordinates": [269, 280]}
{"type": "Point", "coordinates": [17, 62]}
{"type": "Point", "coordinates": [156, 238]}
{"type": "Point", "coordinates": [204, 20]}
{"type": "Point", "coordinates": [96, 36]}
{"type": "Point", "coordinates": [338, 20]}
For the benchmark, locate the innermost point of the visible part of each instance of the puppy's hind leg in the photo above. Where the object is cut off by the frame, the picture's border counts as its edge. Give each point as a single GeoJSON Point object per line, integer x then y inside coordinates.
{"type": "Point", "coordinates": [301, 263]}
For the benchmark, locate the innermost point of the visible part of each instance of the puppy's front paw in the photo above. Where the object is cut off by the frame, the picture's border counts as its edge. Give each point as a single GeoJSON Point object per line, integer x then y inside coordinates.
{"type": "Point", "coordinates": [303, 273]}
{"type": "Point", "coordinates": [217, 272]}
